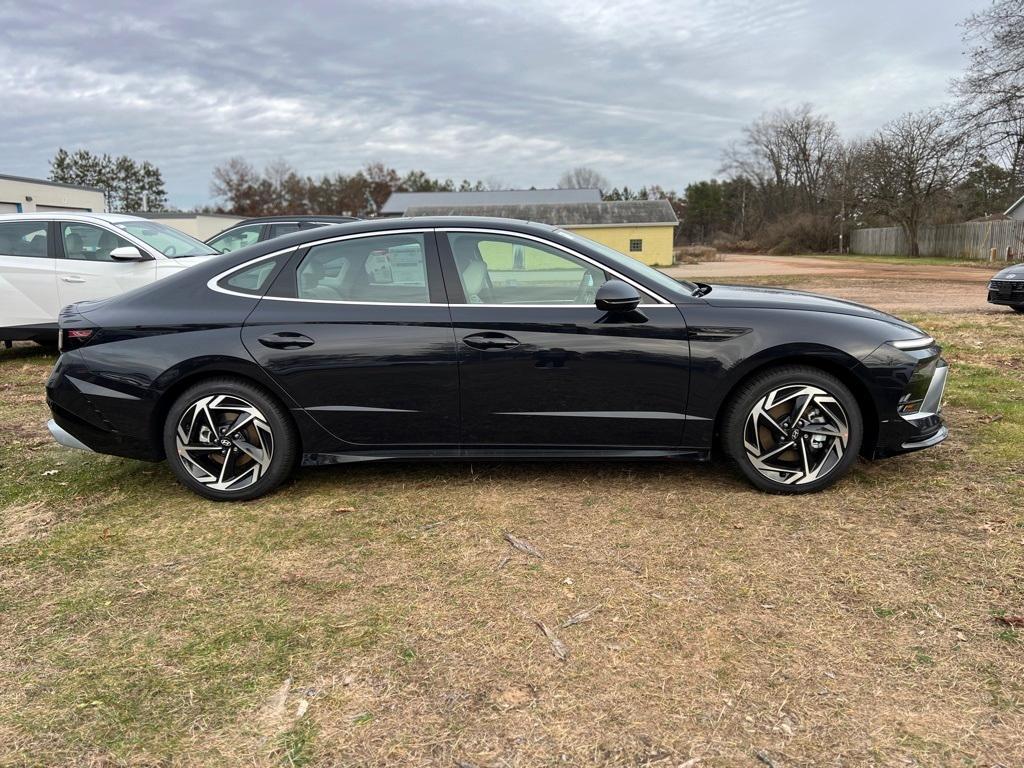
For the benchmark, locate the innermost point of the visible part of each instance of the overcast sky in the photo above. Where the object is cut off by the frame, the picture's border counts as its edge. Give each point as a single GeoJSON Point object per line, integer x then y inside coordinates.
{"type": "Point", "coordinates": [517, 90]}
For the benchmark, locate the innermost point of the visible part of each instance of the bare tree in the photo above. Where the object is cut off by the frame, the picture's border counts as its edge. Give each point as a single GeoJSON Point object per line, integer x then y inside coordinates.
{"type": "Point", "coordinates": [583, 178]}
{"type": "Point", "coordinates": [909, 166]}
{"type": "Point", "coordinates": [991, 91]}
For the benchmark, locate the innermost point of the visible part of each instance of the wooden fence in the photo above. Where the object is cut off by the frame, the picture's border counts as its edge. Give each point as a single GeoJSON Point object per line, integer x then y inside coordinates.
{"type": "Point", "coordinates": [973, 240]}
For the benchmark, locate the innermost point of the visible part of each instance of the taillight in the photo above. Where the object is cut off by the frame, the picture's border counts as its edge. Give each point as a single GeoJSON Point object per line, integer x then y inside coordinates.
{"type": "Point", "coordinates": [73, 338]}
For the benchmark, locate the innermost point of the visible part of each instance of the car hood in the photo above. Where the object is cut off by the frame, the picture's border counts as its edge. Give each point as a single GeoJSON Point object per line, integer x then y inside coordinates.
{"type": "Point", "coordinates": [1016, 272]}
{"type": "Point", "coordinates": [187, 261]}
{"type": "Point", "coordinates": [777, 298]}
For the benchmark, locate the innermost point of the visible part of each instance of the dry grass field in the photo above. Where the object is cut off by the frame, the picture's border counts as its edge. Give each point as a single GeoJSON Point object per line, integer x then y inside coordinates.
{"type": "Point", "coordinates": [379, 616]}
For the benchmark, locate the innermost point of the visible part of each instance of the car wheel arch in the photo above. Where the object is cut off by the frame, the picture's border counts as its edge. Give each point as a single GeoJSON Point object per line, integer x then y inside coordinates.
{"type": "Point", "coordinates": [241, 371]}
{"type": "Point", "coordinates": [831, 364]}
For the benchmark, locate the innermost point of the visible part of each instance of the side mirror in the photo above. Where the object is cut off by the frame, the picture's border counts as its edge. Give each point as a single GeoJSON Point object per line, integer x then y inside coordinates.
{"type": "Point", "coordinates": [617, 296]}
{"type": "Point", "coordinates": [127, 253]}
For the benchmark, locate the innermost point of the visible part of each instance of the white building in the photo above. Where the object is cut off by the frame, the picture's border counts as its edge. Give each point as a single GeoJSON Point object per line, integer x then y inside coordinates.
{"type": "Point", "coordinates": [202, 226]}
{"type": "Point", "coordinates": [22, 195]}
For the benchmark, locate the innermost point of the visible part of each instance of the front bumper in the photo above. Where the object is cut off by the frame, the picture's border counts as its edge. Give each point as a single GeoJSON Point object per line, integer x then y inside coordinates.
{"type": "Point", "coordinates": [922, 429]}
{"type": "Point", "coordinates": [64, 437]}
{"type": "Point", "coordinates": [1008, 293]}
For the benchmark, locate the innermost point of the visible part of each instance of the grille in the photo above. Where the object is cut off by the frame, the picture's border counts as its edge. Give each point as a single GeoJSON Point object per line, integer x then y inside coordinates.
{"type": "Point", "coordinates": [1006, 289]}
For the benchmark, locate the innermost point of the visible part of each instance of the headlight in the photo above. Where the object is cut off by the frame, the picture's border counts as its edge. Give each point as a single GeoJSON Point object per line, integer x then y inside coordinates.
{"type": "Point", "coordinates": [922, 342]}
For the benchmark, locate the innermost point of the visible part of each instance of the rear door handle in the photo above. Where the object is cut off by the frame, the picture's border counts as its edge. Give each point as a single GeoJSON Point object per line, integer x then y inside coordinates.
{"type": "Point", "coordinates": [72, 279]}
{"type": "Point", "coordinates": [490, 340]}
{"type": "Point", "coordinates": [286, 340]}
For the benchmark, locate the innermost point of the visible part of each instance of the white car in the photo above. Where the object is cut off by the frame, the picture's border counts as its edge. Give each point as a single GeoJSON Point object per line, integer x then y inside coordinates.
{"type": "Point", "coordinates": [50, 260]}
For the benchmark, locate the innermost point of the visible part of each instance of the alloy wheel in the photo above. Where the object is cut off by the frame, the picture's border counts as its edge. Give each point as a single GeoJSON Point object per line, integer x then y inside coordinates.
{"type": "Point", "coordinates": [796, 434]}
{"type": "Point", "coordinates": [224, 442]}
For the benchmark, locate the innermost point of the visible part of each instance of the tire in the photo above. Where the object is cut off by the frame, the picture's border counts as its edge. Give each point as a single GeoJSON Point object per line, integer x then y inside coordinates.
{"type": "Point", "coordinates": [759, 421]}
{"type": "Point", "coordinates": [262, 453]}
{"type": "Point", "coordinates": [1018, 308]}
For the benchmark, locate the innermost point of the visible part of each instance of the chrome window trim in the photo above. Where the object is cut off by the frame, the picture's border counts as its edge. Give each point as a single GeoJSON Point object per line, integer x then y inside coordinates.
{"type": "Point", "coordinates": [213, 286]}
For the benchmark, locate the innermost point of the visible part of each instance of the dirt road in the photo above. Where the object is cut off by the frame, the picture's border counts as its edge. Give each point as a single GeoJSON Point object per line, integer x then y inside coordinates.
{"type": "Point", "coordinates": [910, 288]}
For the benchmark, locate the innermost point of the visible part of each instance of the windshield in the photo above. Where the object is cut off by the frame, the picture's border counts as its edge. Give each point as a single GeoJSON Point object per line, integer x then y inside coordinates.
{"type": "Point", "coordinates": [656, 278]}
{"type": "Point", "coordinates": [168, 240]}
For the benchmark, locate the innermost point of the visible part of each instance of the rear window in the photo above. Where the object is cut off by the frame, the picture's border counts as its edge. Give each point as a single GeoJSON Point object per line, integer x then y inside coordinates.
{"type": "Point", "coordinates": [23, 238]}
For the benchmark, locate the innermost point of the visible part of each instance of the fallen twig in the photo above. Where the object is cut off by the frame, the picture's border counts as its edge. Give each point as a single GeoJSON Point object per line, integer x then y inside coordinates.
{"type": "Point", "coordinates": [523, 546]}
{"type": "Point", "coordinates": [561, 649]}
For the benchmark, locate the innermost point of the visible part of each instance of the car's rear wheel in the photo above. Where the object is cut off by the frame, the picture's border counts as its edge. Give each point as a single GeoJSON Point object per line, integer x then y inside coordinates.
{"type": "Point", "coordinates": [793, 429]}
{"type": "Point", "coordinates": [228, 440]}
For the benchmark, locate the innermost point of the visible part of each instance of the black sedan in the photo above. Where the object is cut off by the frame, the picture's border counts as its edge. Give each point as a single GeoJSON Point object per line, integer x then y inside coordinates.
{"type": "Point", "coordinates": [1007, 288]}
{"type": "Point", "coordinates": [472, 338]}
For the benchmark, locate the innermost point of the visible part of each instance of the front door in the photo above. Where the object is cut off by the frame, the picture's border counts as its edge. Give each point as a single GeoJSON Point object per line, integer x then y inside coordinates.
{"type": "Point", "coordinates": [357, 331]}
{"type": "Point", "coordinates": [88, 271]}
{"type": "Point", "coordinates": [540, 365]}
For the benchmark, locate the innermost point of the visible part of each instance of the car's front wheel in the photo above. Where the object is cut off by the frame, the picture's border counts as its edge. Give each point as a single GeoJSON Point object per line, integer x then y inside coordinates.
{"type": "Point", "coordinates": [793, 429]}
{"type": "Point", "coordinates": [228, 440]}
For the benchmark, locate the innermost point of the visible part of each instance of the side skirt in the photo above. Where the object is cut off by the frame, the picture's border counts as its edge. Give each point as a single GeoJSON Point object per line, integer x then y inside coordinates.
{"type": "Point", "coordinates": [509, 454]}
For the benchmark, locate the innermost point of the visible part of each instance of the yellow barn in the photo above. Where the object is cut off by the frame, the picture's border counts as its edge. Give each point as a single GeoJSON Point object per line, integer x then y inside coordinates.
{"type": "Point", "coordinates": [643, 229]}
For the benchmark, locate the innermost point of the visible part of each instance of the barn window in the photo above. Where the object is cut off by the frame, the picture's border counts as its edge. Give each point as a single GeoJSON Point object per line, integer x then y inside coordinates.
{"type": "Point", "coordinates": [636, 245]}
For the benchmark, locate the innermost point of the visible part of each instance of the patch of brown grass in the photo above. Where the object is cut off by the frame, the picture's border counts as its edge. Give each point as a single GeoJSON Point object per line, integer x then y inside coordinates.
{"type": "Point", "coordinates": [378, 615]}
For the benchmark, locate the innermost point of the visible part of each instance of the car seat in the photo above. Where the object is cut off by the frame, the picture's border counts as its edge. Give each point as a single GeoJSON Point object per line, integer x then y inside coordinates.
{"type": "Point", "coordinates": [74, 246]}
{"type": "Point", "coordinates": [106, 244]}
{"type": "Point", "coordinates": [476, 282]}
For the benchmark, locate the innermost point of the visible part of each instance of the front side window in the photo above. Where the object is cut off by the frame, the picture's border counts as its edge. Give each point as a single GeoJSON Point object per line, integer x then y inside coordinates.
{"type": "Point", "coordinates": [389, 269]}
{"type": "Point", "coordinates": [500, 269]}
{"type": "Point", "coordinates": [167, 240]}
{"type": "Point", "coordinates": [23, 238]}
{"type": "Point", "coordinates": [239, 237]}
{"type": "Point", "coordinates": [86, 242]}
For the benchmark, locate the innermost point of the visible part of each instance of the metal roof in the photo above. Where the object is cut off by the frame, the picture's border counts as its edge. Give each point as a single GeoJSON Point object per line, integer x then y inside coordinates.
{"type": "Point", "coordinates": [612, 213]}
{"type": "Point", "coordinates": [1009, 211]}
{"type": "Point", "coordinates": [48, 183]}
{"type": "Point", "coordinates": [400, 202]}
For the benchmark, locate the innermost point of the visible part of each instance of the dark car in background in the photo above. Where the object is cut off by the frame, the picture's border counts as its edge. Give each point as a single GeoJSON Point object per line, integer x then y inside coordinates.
{"type": "Point", "coordinates": [1006, 288]}
{"type": "Point", "coordinates": [251, 231]}
{"type": "Point", "coordinates": [475, 338]}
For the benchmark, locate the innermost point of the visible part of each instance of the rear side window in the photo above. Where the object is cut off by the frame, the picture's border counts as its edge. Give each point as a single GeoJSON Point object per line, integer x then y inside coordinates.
{"type": "Point", "coordinates": [24, 238]}
{"type": "Point", "coordinates": [254, 278]}
{"type": "Point", "coordinates": [388, 269]}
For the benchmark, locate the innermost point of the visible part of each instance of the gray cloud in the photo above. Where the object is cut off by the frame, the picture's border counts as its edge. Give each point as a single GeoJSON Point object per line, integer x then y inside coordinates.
{"type": "Point", "coordinates": [647, 92]}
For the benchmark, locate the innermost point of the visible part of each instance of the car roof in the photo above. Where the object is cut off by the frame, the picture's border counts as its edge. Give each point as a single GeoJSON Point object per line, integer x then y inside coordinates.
{"type": "Point", "coordinates": [110, 218]}
{"type": "Point", "coordinates": [303, 217]}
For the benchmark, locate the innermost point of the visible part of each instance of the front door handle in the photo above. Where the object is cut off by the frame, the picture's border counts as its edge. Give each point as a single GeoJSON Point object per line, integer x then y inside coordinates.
{"type": "Point", "coordinates": [72, 279]}
{"type": "Point", "coordinates": [490, 340]}
{"type": "Point", "coordinates": [286, 340]}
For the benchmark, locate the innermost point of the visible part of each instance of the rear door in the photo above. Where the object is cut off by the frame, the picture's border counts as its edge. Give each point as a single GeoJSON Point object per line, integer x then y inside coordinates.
{"type": "Point", "coordinates": [357, 330]}
{"type": "Point", "coordinates": [88, 271]}
{"type": "Point", "coordinates": [28, 282]}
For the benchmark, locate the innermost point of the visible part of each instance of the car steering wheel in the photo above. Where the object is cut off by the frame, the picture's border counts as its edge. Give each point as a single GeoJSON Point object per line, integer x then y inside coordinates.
{"type": "Point", "coordinates": [170, 250]}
